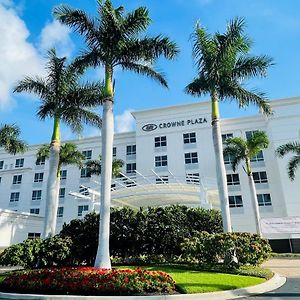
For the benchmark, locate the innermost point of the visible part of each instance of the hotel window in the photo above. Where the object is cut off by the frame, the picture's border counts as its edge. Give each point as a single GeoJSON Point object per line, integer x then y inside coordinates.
{"type": "Point", "coordinates": [191, 158]}
{"type": "Point", "coordinates": [228, 159]}
{"type": "Point", "coordinates": [33, 235]}
{"type": "Point", "coordinates": [38, 177]}
{"type": "Point", "coordinates": [249, 134]}
{"type": "Point", "coordinates": [162, 180]}
{"type": "Point", "coordinates": [131, 150]}
{"type": "Point", "coordinates": [84, 191]}
{"type": "Point", "coordinates": [62, 193]}
{"type": "Point", "coordinates": [161, 161]}
{"type": "Point", "coordinates": [85, 173]}
{"type": "Point", "coordinates": [17, 179]}
{"type": "Point", "coordinates": [14, 197]}
{"type": "Point", "coordinates": [192, 178]}
{"type": "Point", "coordinates": [189, 138]}
{"type": "Point", "coordinates": [63, 174]}
{"type": "Point", "coordinates": [19, 163]}
{"type": "Point", "coordinates": [114, 151]}
{"type": "Point", "coordinates": [40, 161]}
{"type": "Point", "coordinates": [81, 209]}
{"type": "Point", "coordinates": [36, 195]}
{"type": "Point", "coordinates": [258, 157]}
{"type": "Point", "coordinates": [35, 211]}
{"type": "Point", "coordinates": [260, 177]}
{"type": "Point", "coordinates": [130, 168]}
{"type": "Point", "coordinates": [235, 201]}
{"type": "Point", "coordinates": [160, 141]}
{"type": "Point", "coordinates": [264, 200]}
{"type": "Point", "coordinates": [233, 179]}
{"type": "Point", "coordinates": [1, 164]}
{"type": "Point", "coordinates": [0, 179]}
{"type": "Point", "coordinates": [60, 212]}
{"type": "Point", "coordinates": [226, 136]}
{"type": "Point", "coordinates": [87, 154]}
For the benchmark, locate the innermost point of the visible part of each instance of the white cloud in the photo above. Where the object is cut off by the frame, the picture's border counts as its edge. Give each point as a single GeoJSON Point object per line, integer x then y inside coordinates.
{"type": "Point", "coordinates": [18, 56]}
{"type": "Point", "coordinates": [54, 34]}
{"type": "Point", "coordinates": [124, 122]}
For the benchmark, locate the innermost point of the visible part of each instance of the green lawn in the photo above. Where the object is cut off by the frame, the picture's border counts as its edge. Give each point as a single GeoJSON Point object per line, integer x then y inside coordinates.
{"type": "Point", "coordinates": [189, 281]}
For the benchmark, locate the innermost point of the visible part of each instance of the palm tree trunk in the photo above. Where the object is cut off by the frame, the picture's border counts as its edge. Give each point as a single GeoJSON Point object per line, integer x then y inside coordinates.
{"type": "Point", "coordinates": [103, 257]}
{"type": "Point", "coordinates": [253, 198]}
{"type": "Point", "coordinates": [220, 167]}
{"type": "Point", "coordinates": [52, 183]}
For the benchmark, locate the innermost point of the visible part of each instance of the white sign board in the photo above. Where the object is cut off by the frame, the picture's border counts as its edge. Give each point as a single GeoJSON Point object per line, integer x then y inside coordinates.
{"type": "Point", "coordinates": [280, 225]}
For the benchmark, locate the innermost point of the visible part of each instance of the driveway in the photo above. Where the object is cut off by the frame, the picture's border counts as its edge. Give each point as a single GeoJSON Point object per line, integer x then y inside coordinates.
{"type": "Point", "coordinates": [289, 268]}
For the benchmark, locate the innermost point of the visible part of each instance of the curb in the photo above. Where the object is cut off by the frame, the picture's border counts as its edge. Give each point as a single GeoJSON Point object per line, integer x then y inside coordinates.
{"type": "Point", "coordinates": [275, 282]}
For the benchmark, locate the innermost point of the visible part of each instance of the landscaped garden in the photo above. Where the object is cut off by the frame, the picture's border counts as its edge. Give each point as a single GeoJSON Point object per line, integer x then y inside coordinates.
{"type": "Point", "coordinates": [194, 256]}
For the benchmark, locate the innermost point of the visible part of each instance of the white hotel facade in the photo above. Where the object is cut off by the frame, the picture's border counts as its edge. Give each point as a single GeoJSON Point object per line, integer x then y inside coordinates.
{"type": "Point", "coordinates": [169, 159]}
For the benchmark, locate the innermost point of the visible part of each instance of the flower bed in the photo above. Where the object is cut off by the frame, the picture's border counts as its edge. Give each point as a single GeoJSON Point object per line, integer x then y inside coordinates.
{"type": "Point", "coordinates": [88, 281]}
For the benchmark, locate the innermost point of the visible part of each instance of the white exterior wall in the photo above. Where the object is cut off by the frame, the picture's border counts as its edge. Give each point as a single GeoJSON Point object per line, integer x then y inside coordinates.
{"type": "Point", "coordinates": [282, 127]}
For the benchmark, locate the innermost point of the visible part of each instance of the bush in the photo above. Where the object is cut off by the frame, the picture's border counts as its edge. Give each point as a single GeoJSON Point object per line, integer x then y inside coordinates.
{"type": "Point", "coordinates": [88, 281]}
{"type": "Point", "coordinates": [212, 249]}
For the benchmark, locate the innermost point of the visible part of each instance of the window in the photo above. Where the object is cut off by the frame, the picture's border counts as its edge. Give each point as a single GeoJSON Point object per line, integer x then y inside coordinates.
{"type": "Point", "coordinates": [191, 158]}
{"type": "Point", "coordinates": [130, 168]}
{"type": "Point", "coordinates": [35, 211]}
{"type": "Point", "coordinates": [84, 190]}
{"type": "Point", "coordinates": [38, 177]}
{"type": "Point", "coordinates": [85, 173]}
{"type": "Point", "coordinates": [249, 134]}
{"type": "Point", "coordinates": [1, 164]}
{"type": "Point", "coordinates": [161, 161]}
{"type": "Point", "coordinates": [33, 235]}
{"type": "Point", "coordinates": [14, 197]}
{"type": "Point", "coordinates": [258, 157]}
{"type": "Point", "coordinates": [40, 161]}
{"type": "Point", "coordinates": [62, 193]}
{"type": "Point", "coordinates": [19, 163]}
{"type": "Point", "coordinates": [235, 201]}
{"type": "Point", "coordinates": [160, 141]}
{"type": "Point", "coordinates": [87, 154]}
{"type": "Point", "coordinates": [17, 179]}
{"type": "Point", "coordinates": [260, 177]}
{"type": "Point", "coordinates": [63, 174]}
{"type": "Point", "coordinates": [131, 150]}
{"type": "Point", "coordinates": [192, 178]}
{"type": "Point", "coordinates": [0, 179]}
{"type": "Point", "coordinates": [114, 151]}
{"type": "Point", "coordinates": [81, 209]}
{"type": "Point", "coordinates": [228, 159]}
{"type": "Point", "coordinates": [60, 212]}
{"type": "Point", "coordinates": [264, 200]}
{"type": "Point", "coordinates": [189, 138]}
{"type": "Point", "coordinates": [162, 180]}
{"type": "Point", "coordinates": [36, 195]}
{"type": "Point", "coordinates": [226, 136]}
{"type": "Point", "coordinates": [233, 179]}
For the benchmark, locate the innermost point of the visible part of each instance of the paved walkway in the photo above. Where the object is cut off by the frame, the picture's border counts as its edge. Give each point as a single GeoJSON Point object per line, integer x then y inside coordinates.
{"type": "Point", "coordinates": [290, 268]}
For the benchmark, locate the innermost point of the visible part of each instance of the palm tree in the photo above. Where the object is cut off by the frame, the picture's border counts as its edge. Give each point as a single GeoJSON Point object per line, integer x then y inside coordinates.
{"type": "Point", "coordinates": [294, 162]}
{"type": "Point", "coordinates": [94, 166]}
{"type": "Point", "coordinates": [243, 150]}
{"type": "Point", "coordinates": [114, 39]}
{"type": "Point", "coordinates": [10, 139]}
{"type": "Point", "coordinates": [223, 62]}
{"type": "Point", "coordinates": [64, 99]}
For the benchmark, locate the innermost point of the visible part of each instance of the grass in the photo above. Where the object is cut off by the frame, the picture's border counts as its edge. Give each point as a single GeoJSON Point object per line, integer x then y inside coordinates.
{"type": "Point", "coordinates": [191, 281]}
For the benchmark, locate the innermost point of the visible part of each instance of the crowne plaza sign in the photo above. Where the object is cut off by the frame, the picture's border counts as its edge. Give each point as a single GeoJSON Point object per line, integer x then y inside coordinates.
{"type": "Point", "coordinates": [171, 124]}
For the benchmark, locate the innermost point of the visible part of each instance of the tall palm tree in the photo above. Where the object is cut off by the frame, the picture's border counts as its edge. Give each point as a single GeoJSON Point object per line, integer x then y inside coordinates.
{"type": "Point", "coordinates": [114, 38]}
{"type": "Point", "coordinates": [242, 150]}
{"type": "Point", "coordinates": [223, 62]}
{"type": "Point", "coordinates": [94, 166]}
{"type": "Point", "coordinates": [10, 139]}
{"type": "Point", "coordinates": [64, 99]}
{"type": "Point", "coordinates": [294, 162]}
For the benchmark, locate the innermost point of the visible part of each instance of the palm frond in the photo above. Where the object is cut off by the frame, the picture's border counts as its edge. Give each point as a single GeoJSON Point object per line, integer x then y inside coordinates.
{"type": "Point", "coordinates": [70, 155]}
{"type": "Point", "coordinates": [35, 85]}
{"type": "Point", "coordinates": [43, 151]}
{"type": "Point", "coordinates": [293, 165]}
{"type": "Point", "coordinates": [257, 142]}
{"type": "Point", "coordinates": [198, 87]}
{"type": "Point", "coordinates": [291, 147]}
{"type": "Point", "coordinates": [94, 167]}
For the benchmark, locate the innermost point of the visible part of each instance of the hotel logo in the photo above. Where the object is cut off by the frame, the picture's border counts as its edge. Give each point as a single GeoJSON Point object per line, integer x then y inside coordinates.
{"type": "Point", "coordinates": [149, 127]}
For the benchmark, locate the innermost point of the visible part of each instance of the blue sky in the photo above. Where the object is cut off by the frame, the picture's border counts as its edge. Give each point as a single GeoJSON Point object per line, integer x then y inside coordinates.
{"type": "Point", "coordinates": [28, 29]}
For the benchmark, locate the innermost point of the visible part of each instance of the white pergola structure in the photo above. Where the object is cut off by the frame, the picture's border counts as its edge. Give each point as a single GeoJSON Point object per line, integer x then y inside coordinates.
{"type": "Point", "coordinates": [138, 190]}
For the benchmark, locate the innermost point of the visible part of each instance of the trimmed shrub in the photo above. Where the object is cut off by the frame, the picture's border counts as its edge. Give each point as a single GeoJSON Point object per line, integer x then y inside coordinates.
{"type": "Point", "coordinates": [213, 249]}
{"type": "Point", "coordinates": [88, 281]}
